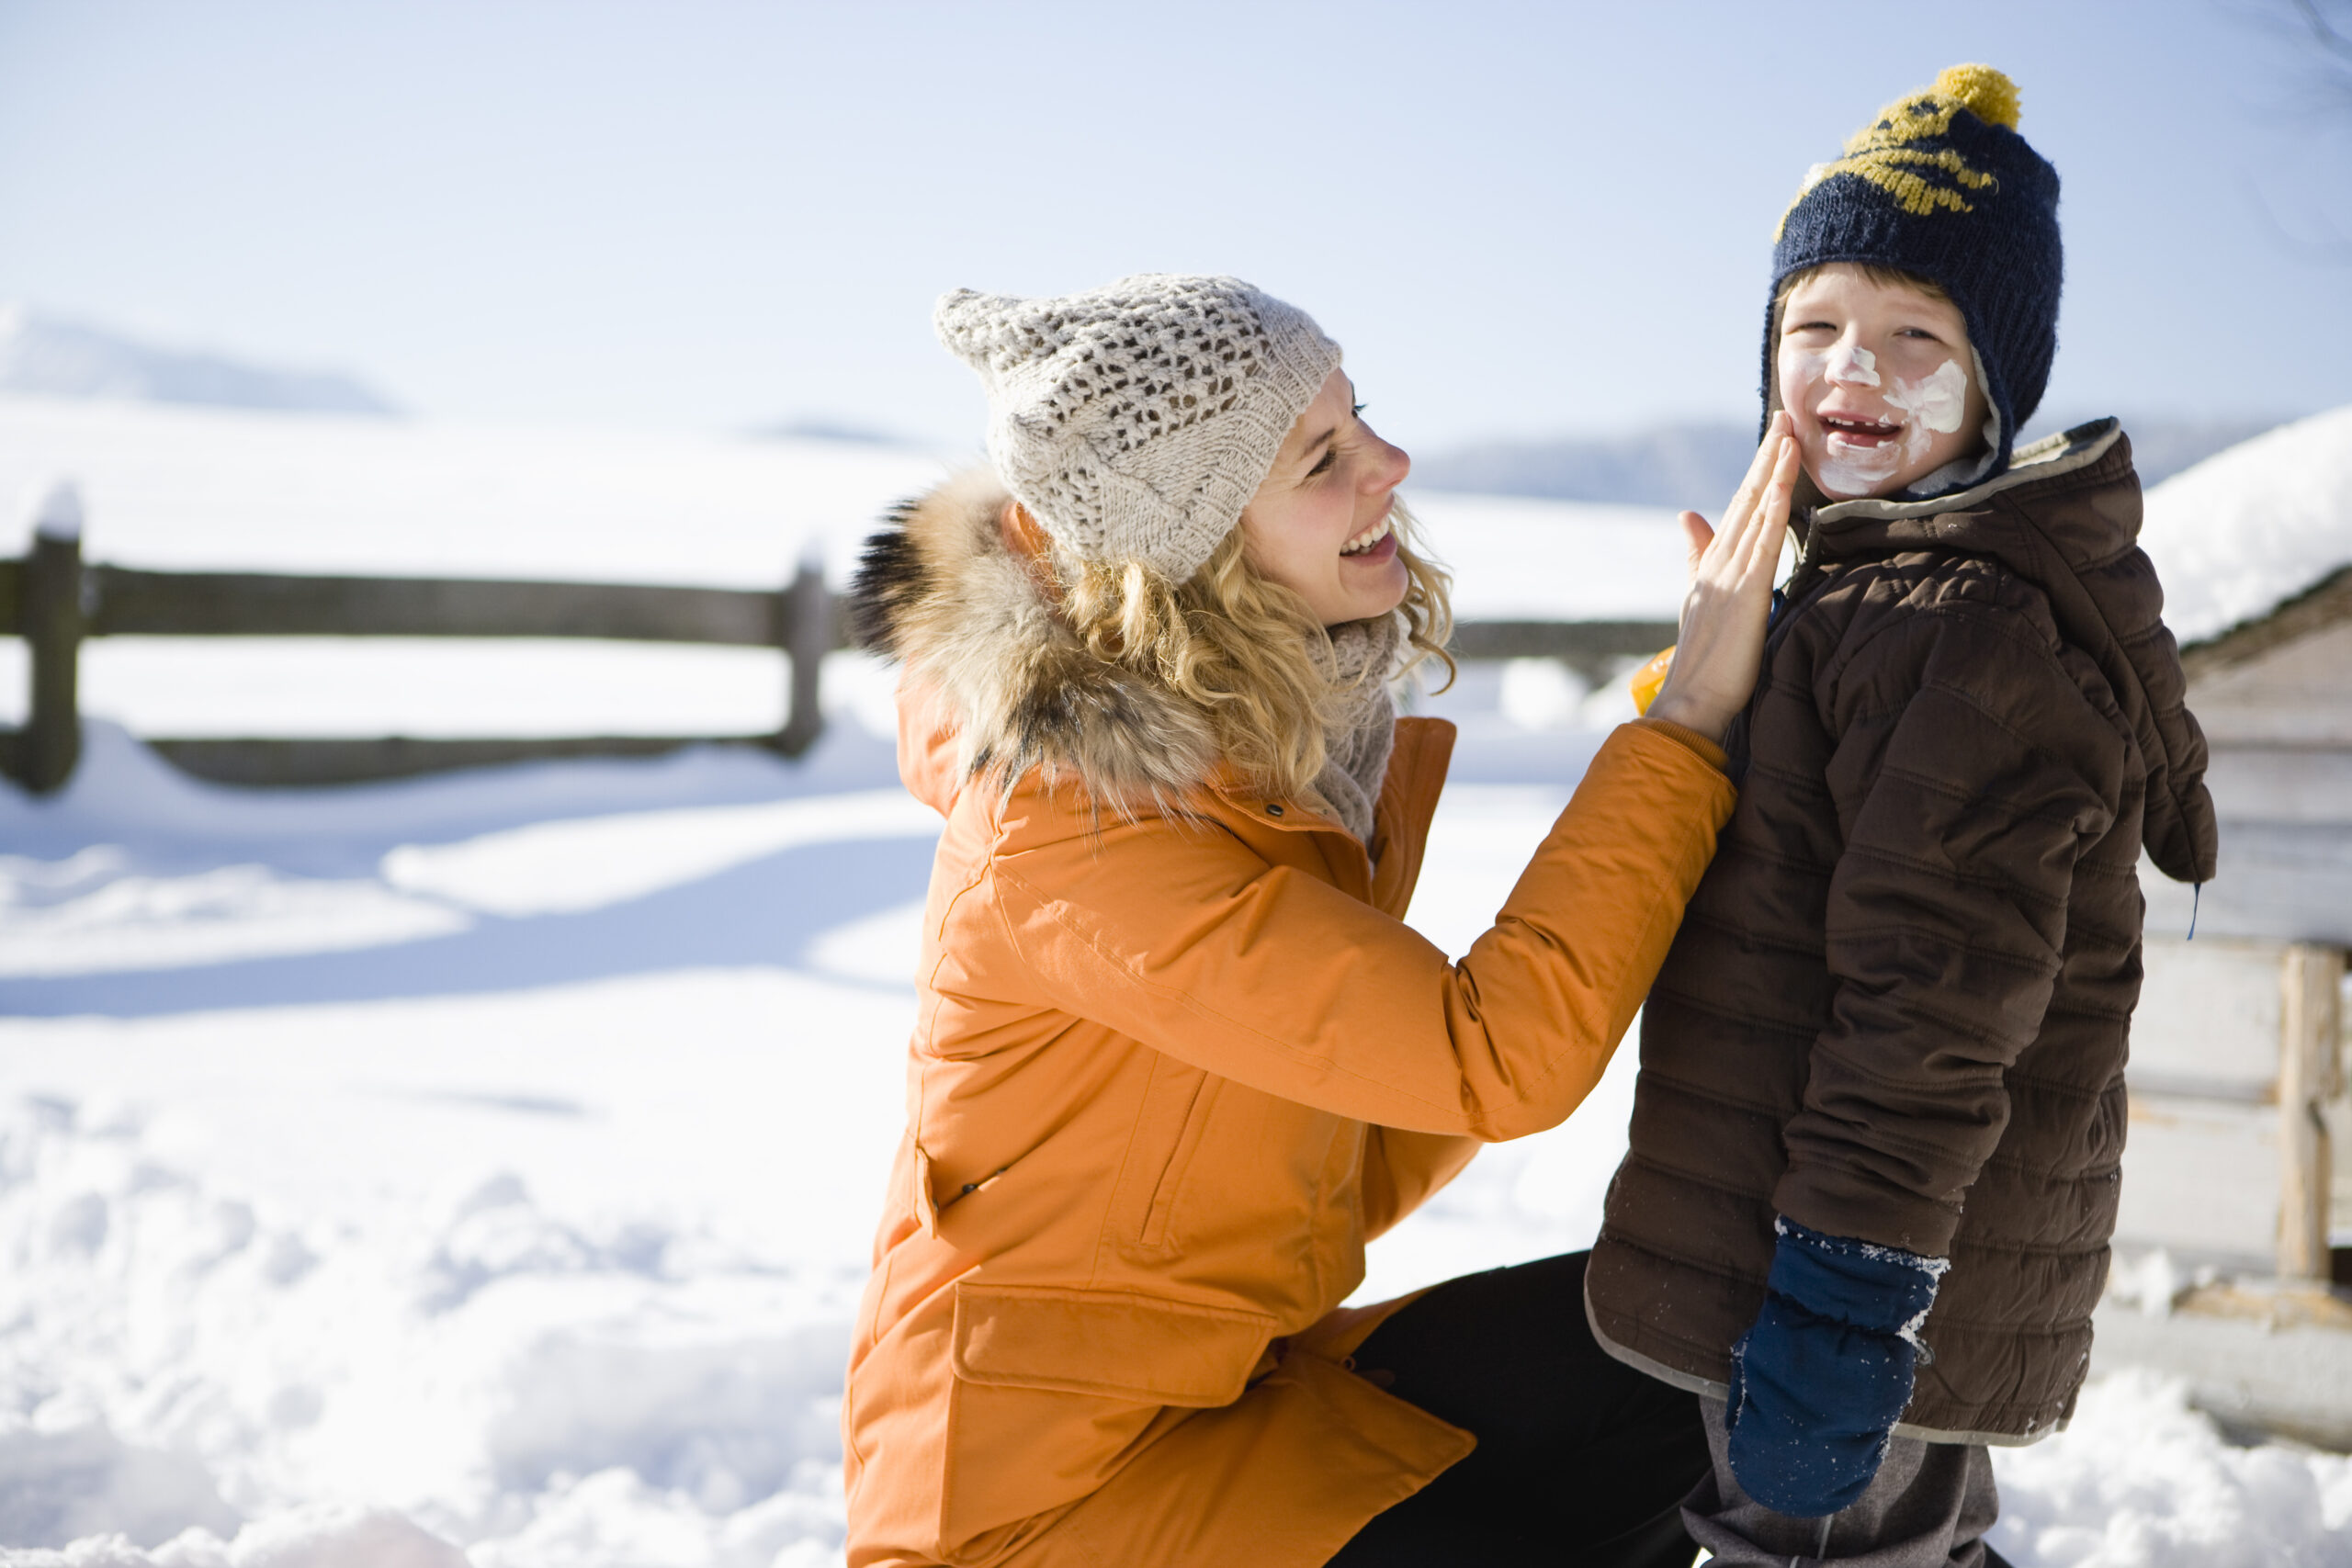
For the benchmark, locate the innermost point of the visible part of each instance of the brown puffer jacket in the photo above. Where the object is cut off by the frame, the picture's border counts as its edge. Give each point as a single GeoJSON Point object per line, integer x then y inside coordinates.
{"type": "Point", "coordinates": [1898, 1006]}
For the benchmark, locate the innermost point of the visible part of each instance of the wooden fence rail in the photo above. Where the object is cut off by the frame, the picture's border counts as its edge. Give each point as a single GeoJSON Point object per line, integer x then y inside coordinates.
{"type": "Point", "coordinates": [55, 601]}
{"type": "Point", "coordinates": [1590, 648]}
{"type": "Point", "coordinates": [122, 601]}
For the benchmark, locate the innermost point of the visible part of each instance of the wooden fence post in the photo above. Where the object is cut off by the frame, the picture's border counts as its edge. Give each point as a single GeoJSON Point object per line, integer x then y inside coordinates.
{"type": "Point", "coordinates": [807, 638]}
{"type": "Point", "coordinates": [52, 618]}
{"type": "Point", "coordinates": [2311, 978]}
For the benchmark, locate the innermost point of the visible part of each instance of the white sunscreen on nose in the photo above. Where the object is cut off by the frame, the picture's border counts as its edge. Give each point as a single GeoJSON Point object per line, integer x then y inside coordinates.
{"type": "Point", "coordinates": [1854, 366]}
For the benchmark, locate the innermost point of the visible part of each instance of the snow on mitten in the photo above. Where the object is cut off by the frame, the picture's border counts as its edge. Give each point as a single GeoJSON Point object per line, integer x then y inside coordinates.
{"type": "Point", "coordinates": [1820, 1379]}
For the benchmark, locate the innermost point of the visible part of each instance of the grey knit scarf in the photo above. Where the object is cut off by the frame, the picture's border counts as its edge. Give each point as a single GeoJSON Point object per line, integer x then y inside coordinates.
{"type": "Point", "coordinates": [1363, 728]}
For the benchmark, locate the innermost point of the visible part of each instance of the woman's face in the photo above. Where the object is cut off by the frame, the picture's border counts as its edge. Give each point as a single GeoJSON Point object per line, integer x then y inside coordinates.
{"type": "Point", "coordinates": [1319, 524]}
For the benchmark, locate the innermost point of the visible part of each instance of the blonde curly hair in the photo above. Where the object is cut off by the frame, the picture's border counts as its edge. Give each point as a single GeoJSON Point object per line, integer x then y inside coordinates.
{"type": "Point", "coordinates": [1246, 650]}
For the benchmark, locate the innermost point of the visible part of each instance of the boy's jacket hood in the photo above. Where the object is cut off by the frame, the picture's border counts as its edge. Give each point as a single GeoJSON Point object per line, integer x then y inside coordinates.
{"type": "Point", "coordinates": [939, 591]}
{"type": "Point", "coordinates": [2065, 516]}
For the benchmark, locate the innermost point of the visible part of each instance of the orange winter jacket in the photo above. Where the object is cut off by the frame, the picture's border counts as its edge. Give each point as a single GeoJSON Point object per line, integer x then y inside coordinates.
{"type": "Point", "coordinates": [1170, 1070]}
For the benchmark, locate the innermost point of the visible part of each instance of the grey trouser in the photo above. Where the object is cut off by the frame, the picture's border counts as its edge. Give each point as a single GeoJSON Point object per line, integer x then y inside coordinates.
{"type": "Point", "coordinates": [1929, 1507]}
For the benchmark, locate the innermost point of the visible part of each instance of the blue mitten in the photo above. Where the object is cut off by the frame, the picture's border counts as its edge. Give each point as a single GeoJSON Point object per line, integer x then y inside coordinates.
{"type": "Point", "coordinates": [1821, 1377]}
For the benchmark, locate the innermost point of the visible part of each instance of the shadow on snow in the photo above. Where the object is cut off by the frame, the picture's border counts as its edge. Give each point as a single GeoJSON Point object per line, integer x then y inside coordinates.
{"type": "Point", "coordinates": [764, 913]}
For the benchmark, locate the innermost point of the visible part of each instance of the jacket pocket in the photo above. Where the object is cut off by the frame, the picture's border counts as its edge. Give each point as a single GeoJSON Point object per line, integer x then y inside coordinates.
{"type": "Point", "coordinates": [1176, 1103]}
{"type": "Point", "coordinates": [1110, 1344]}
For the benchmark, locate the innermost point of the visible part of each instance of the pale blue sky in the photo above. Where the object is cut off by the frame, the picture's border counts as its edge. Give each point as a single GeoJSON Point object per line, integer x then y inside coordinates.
{"type": "Point", "coordinates": [1520, 219]}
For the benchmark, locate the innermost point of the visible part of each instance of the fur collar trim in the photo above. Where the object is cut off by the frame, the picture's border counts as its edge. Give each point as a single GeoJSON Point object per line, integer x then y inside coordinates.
{"type": "Point", "coordinates": [939, 591]}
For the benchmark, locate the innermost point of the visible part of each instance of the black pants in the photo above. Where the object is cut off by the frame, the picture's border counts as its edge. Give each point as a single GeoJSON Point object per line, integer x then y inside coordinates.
{"type": "Point", "coordinates": [1580, 1459]}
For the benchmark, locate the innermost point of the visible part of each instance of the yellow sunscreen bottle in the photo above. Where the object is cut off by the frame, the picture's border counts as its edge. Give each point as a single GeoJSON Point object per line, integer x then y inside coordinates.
{"type": "Point", "coordinates": [1649, 678]}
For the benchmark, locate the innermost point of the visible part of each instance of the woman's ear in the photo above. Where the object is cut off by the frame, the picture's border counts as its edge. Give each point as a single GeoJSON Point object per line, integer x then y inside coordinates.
{"type": "Point", "coordinates": [1019, 531]}
{"type": "Point", "coordinates": [1025, 542]}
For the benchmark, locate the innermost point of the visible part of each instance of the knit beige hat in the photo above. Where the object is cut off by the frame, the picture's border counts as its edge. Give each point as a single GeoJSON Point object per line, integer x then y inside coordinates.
{"type": "Point", "coordinates": [1136, 421]}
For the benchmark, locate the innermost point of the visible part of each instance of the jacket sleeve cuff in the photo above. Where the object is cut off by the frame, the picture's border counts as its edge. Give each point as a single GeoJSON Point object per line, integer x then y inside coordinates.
{"type": "Point", "coordinates": [1836, 1201]}
{"type": "Point", "coordinates": [1714, 755]}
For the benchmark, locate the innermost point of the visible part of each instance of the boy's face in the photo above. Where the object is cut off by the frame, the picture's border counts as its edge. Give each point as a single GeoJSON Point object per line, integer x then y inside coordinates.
{"type": "Point", "coordinates": [1878, 381]}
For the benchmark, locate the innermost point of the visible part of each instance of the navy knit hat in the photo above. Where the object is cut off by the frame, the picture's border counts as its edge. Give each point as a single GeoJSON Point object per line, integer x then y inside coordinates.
{"type": "Point", "coordinates": [1942, 185]}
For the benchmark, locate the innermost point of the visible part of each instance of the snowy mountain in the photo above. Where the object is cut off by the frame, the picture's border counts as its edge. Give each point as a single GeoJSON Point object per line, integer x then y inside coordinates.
{"type": "Point", "coordinates": [42, 353]}
{"type": "Point", "coordinates": [820, 429]}
{"type": "Point", "coordinates": [1673, 466]}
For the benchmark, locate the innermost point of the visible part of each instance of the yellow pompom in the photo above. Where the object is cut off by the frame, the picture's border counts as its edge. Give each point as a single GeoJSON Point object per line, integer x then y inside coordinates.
{"type": "Point", "coordinates": [1983, 91]}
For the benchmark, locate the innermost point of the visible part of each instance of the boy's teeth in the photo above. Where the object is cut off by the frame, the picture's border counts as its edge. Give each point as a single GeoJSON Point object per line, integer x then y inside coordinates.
{"type": "Point", "coordinates": [1368, 538]}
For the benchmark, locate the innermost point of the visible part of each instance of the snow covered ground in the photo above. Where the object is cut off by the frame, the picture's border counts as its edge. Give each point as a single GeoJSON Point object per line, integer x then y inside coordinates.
{"type": "Point", "coordinates": [498, 1153]}
{"type": "Point", "coordinates": [479, 1169]}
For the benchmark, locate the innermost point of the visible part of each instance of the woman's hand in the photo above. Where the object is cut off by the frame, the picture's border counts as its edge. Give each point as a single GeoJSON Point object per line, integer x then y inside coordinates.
{"type": "Point", "coordinates": [1722, 647]}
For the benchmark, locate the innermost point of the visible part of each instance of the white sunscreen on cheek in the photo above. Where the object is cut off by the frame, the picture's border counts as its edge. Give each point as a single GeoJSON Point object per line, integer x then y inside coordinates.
{"type": "Point", "coordinates": [1932, 406]}
{"type": "Point", "coordinates": [1798, 370]}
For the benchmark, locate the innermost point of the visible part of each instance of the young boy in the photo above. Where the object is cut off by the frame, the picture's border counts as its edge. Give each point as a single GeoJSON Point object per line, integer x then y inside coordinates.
{"type": "Point", "coordinates": [1875, 1144]}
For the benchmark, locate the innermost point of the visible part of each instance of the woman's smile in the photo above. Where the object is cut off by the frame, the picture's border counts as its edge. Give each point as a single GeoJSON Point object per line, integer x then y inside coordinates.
{"type": "Point", "coordinates": [1375, 544]}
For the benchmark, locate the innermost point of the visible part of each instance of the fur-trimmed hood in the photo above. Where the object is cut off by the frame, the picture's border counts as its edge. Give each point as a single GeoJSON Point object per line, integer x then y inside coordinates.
{"type": "Point", "coordinates": [940, 591]}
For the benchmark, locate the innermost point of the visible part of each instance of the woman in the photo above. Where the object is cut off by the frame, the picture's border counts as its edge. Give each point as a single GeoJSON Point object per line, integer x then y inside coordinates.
{"type": "Point", "coordinates": [1176, 1057]}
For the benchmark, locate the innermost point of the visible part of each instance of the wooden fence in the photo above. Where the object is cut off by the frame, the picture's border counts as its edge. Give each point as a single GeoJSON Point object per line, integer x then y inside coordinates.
{"type": "Point", "coordinates": [55, 601]}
